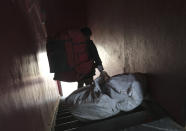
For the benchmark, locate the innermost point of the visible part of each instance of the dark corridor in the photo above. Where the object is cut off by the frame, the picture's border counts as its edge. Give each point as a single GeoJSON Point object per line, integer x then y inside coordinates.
{"type": "Point", "coordinates": [131, 36]}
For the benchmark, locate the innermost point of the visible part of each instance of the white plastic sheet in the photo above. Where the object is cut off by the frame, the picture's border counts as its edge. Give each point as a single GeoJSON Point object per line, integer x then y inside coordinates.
{"type": "Point", "coordinates": [126, 90]}
{"type": "Point", "coordinates": [119, 93]}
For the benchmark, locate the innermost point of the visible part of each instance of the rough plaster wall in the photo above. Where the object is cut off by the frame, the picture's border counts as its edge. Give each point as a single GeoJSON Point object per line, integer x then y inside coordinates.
{"type": "Point", "coordinates": [106, 33]}
{"type": "Point", "coordinates": [27, 95]}
{"type": "Point", "coordinates": [145, 36]}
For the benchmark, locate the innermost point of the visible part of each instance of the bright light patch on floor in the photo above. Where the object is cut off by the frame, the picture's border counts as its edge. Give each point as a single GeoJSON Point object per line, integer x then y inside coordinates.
{"type": "Point", "coordinates": [68, 88]}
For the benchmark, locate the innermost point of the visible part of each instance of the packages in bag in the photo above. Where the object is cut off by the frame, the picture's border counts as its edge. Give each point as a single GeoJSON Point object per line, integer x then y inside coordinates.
{"type": "Point", "coordinates": [105, 99]}
{"type": "Point", "coordinates": [102, 108]}
{"type": "Point", "coordinates": [89, 103]}
{"type": "Point", "coordinates": [126, 90]}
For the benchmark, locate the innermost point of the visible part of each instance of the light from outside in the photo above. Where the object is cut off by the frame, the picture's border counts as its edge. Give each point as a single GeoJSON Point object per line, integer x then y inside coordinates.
{"type": "Point", "coordinates": [68, 87]}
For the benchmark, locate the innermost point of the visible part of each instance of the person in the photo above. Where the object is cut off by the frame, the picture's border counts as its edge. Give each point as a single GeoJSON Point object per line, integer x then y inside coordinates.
{"type": "Point", "coordinates": [93, 54]}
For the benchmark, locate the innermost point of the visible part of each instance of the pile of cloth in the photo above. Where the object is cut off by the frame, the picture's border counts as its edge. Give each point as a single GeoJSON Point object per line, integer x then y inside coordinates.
{"type": "Point", "coordinates": [107, 96]}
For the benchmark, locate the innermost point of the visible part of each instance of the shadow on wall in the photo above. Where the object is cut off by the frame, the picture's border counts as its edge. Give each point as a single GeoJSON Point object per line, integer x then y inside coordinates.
{"type": "Point", "coordinates": [25, 96]}
{"type": "Point", "coordinates": [171, 90]}
{"type": "Point", "coordinates": [64, 14]}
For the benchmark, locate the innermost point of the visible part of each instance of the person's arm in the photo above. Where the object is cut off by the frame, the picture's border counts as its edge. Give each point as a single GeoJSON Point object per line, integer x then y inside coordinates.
{"type": "Point", "coordinates": [95, 56]}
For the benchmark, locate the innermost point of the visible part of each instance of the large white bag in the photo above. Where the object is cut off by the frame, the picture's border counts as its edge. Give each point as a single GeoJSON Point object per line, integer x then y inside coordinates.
{"type": "Point", "coordinates": [89, 103]}
{"type": "Point", "coordinates": [99, 101]}
{"type": "Point", "coordinates": [126, 90]}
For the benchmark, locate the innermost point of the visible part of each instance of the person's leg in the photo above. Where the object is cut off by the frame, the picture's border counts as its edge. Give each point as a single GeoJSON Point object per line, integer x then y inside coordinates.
{"type": "Point", "coordinates": [89, 81]}
{"type": "Point", "coordinates": [80, 83]}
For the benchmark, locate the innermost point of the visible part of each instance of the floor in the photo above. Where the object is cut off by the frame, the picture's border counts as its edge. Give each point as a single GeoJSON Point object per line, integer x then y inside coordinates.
{"type": "Point", "coordinates": [148, 117]}
{"type": "Point", "coordinates": [164, 124]}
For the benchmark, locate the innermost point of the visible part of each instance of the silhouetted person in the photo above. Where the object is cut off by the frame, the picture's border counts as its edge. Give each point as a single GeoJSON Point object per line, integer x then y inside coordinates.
{"type": "Point", "coordinates": [93, 55]}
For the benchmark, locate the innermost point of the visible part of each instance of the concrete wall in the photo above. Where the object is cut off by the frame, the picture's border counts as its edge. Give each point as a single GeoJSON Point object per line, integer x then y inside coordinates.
{"type": "Point", "coordinates": [28, 95]}
{"type": "Point", "coordinates": [145, 36]}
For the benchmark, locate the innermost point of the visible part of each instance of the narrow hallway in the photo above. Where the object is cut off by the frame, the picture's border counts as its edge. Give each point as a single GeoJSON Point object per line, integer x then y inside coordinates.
{"type": "Point", "coordinates": [131, 36]}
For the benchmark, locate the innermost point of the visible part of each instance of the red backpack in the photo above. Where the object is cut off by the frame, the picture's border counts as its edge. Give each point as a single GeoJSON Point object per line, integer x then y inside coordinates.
{"type": "Point", "coordinates": [77, 55]}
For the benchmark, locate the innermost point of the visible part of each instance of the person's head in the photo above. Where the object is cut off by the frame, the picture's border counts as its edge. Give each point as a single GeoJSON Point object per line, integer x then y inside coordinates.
{"type": "Point", "coordinates": [86, 32]}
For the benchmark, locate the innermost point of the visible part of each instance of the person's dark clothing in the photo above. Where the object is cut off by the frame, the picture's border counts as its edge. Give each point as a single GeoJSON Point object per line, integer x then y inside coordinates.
{"type": "Point", "coordinates": [93, 54]}
{"type": "Point", "coordinates": [87, 81]}
{"type": "Point", "coordinates": [56, 53]}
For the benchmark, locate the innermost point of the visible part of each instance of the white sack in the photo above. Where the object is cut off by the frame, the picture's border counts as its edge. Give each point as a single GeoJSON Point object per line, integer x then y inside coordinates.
{"type": "Point", "coordinates": [89, 103]}
{"type": "Point", "coordinates": [120, 93]}
{"type": "Point", "coordinates": [126, 90]}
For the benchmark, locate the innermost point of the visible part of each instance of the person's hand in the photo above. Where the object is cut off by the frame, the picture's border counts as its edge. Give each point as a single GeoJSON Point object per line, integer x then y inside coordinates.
{"type": "Point", "coordinates": [104, 76]}
{"type": "Point", "coordinates": [100, 68]}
